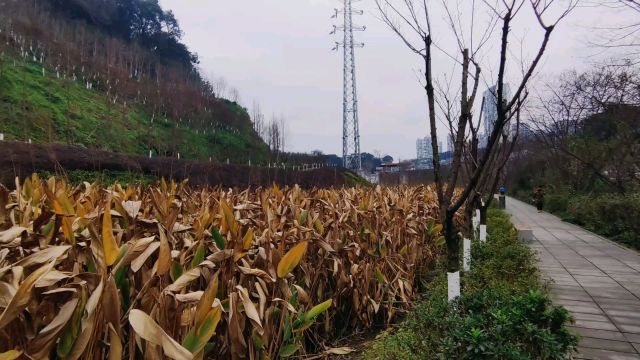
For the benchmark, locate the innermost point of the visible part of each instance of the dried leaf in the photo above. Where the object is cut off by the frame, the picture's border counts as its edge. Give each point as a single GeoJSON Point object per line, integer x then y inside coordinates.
{"type": "Point", "coordinates": [115, 344]}
{"type": "Point", "coordinates": [207, 299]}
{"type": "Point", "coordinates": [149, 330]}
{"type": "Point", "coordinates": [184, 280]}
{"type": "Point", "coordinates": [43, 256]}
{"type": "Point", "coordinates": [132, 208]}
{"type": "Point", "coordinates": [9, 235]}
{"type": "Point", "coordinates": [164, 259]}
{"type": "Point", "coordinates": [247, 240]}
{"type": "Point", "coordinates": [250, 309]}
{"type": "Point", "coordinates": [40, 346]}
{"type": "Point", "coordinates": [110, 246]}
{"type": "Point", "coordinates": [23, 295]}
{"type": "Point", "coordinates": [10, 355]}
{"type": "Point", "coordinates": [291, 259]}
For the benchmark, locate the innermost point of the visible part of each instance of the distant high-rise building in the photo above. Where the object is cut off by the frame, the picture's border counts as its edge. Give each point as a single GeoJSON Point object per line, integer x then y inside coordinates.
{"type": "Point", "coordinates": [424, 153]}
{"type": "Point", "coordinates": [490, 108]}
{"type": "Point", "coordinates": [424, 149]}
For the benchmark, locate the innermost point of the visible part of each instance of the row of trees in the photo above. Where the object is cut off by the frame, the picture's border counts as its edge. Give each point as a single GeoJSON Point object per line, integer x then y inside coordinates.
{"type": "Point", "coordinates": [272, 132]}
{"type": "Point", "coordinates": [589, 121]}
{"type": "Point", "coordinates": [472, 175]}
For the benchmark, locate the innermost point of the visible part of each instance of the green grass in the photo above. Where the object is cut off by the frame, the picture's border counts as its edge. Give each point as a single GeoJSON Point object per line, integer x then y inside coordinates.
{"type": "Point", "coordinates": [105, 177]}
{"type": "Point", "coordinates": [48, 109]}
{"type": "Point", "coordinates": [353, 180]}
{"type": "Point", "coordinates": [504, 311]}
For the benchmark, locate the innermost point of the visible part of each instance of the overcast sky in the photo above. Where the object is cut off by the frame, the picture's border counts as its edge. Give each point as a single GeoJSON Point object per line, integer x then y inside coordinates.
{"type": "Point", "coordinates": [278, 52]}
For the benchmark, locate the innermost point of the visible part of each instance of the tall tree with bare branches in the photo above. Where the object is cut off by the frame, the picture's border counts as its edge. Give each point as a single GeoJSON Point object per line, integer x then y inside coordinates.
{"type": "Point", "coordinates": [412, 21]}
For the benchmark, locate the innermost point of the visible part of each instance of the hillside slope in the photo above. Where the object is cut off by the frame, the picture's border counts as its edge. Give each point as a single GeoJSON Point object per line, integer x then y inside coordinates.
{"type": "Point", "coordinates": [49, 109]}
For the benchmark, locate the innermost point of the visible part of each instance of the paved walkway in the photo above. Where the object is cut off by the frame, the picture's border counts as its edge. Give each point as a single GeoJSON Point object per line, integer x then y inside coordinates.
{"type": "Point", "coordinates": [597, 280]}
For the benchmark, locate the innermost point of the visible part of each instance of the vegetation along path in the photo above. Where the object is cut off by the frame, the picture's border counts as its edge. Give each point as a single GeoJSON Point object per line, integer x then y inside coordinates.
{"type": "Point", "coordinates": [597, 280]}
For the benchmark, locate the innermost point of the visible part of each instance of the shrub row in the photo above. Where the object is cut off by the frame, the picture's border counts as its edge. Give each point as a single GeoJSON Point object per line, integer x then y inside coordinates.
{"type": "Point", "coordinates": [612, 215]}
{"type": "Point", "coordinates": [503, 313]}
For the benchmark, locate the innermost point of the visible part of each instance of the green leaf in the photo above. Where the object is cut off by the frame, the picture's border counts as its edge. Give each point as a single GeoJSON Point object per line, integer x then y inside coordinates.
{"type": "Point", "coordinates": [317, 310]}
{"type": "Point", "coordinates": [257, 341]}
{"type": "Point", "coordinates": [288, 350]}
{"type": "Point", "coordinates": [176, 270]}
{"type": "Point", "coordinates": [125, 295]}
{"type": "Point", "coordinates": [121, 275]}
{"type": "Point", "coordinates": [217, 238]}
{"type": "Point", "coordinates": [198, 337]}
{"type": "Point", "coordinates": [71, 332]}
{"type": "Point", "coordinates": [91, 265]}
{"type": "Point", "coordinates": [303, 217]}
{"type": "Point", "coordinates": [380, 276]}
{"type": "Point", "coordinates": [198, 257]}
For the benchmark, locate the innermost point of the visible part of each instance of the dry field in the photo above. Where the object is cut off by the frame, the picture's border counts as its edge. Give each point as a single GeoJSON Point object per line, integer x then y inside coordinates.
{"type": "Point", "coordinates": [182, 273]}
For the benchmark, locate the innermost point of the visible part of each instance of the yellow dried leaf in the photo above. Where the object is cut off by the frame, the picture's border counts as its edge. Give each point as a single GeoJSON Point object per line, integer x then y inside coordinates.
{"type": "Point", "coordinates": [207, 299]}
{"type": "Point", "coordinates": [291, 259]}
{"type": "Point", "coordinates": [10, 355]}
{"type": "Point", "coordinates": [164, 258]}
{"type": "Point", "coordinates": [111, 248]}
{"type": "Point", "coordinates": [248, 240]}
{"type": "Point", "coordinates": [115, 344]}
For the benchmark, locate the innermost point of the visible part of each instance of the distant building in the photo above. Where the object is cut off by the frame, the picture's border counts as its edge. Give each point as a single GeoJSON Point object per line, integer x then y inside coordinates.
{"type": "Point", "coordinates": [490, 108]}
{"type": "Point", "coordinates": [424, 151]}
{"type": "Point", "coordinates": [388, 168]}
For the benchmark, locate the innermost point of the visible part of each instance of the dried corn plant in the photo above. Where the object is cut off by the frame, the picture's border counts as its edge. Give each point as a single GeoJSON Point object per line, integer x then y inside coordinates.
{"type": "Point", "coordinates": [181, 273]}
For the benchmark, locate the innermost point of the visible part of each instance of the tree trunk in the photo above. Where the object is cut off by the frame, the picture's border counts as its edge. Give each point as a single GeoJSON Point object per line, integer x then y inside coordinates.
{"type": "Point", "coordinates": [452, 239]}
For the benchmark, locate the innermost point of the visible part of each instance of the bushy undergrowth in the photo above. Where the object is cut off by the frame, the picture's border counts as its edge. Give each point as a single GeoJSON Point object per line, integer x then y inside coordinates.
{"type": "Point", "coordinates": [612, 215]}
{"type": "Point", "coordinates": [125, 178]}
{"type": "Point", "coordinates": [503, 312]}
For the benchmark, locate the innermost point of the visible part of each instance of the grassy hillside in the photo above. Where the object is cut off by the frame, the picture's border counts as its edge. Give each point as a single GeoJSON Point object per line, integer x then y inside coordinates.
{"type": "Point", "coordinates": [51, 109]}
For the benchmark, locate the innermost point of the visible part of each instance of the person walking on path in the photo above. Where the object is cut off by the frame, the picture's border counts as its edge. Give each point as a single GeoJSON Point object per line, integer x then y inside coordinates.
{"type": "Point", "coordinates": [538, 198]}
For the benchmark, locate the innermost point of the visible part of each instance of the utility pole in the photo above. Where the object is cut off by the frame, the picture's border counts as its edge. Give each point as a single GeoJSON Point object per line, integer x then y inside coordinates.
{"type": "Point", "coordinates": [350, 125]}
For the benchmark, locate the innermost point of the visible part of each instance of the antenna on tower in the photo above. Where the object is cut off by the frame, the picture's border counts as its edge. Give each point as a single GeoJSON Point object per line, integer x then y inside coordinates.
{"type": "Point", "coordinates": [350, 125]}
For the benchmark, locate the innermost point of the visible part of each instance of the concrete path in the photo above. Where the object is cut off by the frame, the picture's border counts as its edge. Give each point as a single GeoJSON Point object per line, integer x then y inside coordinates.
{"type": "Point", "coordinates": [597, 280]}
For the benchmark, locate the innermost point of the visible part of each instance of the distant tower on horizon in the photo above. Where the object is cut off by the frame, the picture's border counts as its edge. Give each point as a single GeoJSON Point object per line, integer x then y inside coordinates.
{"type": "Point", "coordinates": [350, 123]}
{"type": "Point", "coordinates": [490, 109]}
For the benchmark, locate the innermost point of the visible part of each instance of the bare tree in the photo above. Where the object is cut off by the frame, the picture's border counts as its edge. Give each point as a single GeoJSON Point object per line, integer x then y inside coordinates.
{"type": "Point", "coordinates": [566, 111]}
{"type": "Point", "coordinates": [257, 117]}
{"type": "Point", "coordinates": [622, 36]}
{"type": "Point", "coordinates": [234, 95]}
{"type": "Point", "coordinates": [220, 88]}
{"type": "Point", "coordinates": [411, 20]}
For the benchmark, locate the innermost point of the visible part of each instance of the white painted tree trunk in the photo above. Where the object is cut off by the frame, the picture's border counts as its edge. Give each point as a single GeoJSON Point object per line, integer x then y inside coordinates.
{"type": "Point", "coordinates": [453, 285]}
{"type": "Point", "coordinates": [466, 258]}
{"type": "Point", "coordinates": [149, 154]}
{"type": "Point", "coordinates": [1, 136]}
{"type": "Point", "coordinates": [483, 233]}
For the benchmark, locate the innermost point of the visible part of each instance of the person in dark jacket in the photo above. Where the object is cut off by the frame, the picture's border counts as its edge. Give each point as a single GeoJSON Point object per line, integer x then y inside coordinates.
{"type": "Point", "coordinates": [538, 198]}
